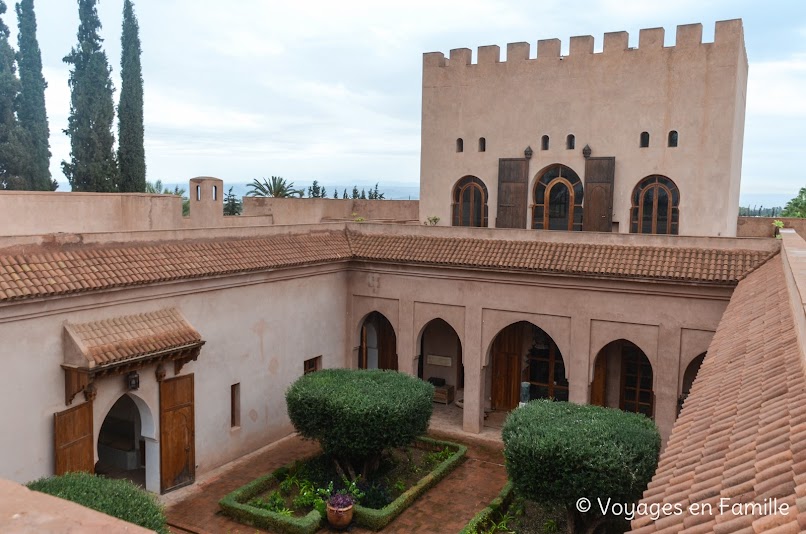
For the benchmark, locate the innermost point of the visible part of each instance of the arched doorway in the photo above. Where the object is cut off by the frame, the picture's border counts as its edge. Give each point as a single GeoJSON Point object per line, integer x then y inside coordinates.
{"type": "Point", "coordinates": [524, 356]}
{"type": "Point", "coordinates": [440, 359]}
{"type": "Point", "coordinates": [688, 379]}
{"type": "Point", "coordinates": [121, 445]}
{"type": "Point", "coordinates": [622, 378]}
{"type": "Point", "coordinates": [557, 199]}
{"type": "Point", "coordinates": [378, 349]}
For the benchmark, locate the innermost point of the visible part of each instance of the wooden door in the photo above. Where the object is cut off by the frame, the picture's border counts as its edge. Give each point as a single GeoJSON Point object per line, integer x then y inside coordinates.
{"type": "Point", "coordinates": [599, 384]}
{"type": "Point", "coordinates": [362, 348]}
{"type": "Point", "coordinates": [506, 356]}
{"type": "Point", "coordinates": [387, 345]}
{"type": "Point", "coordinates": [177, 433]}
{"type": "Point", "coordinates": [599, 178]}
{"type": "Point", "coordinates": [512, 193]}
{"type": "Point", "coordinates": [74, 441]}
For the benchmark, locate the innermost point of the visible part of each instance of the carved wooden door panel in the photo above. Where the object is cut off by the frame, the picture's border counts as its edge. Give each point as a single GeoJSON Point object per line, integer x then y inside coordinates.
{"type": "Point", "coordinates": [177, 433]}
{"type": "Point", "coordinates": [387, 346]}
{"type": "Point", "coordinates": [598, 386]}
{"type": "Point", "coordinates": [74, 440]}
{"type": "Point", "coordinates": [599, 178]}
{"type": "Point", "coordinates": [512, 193]}
{"type": "Point", "coordinates": [506, 369]}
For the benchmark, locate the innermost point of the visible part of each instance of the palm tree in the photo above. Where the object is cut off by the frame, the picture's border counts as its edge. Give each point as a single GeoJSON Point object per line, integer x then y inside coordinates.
{"type": "Point", "coordinates": [277, 187]}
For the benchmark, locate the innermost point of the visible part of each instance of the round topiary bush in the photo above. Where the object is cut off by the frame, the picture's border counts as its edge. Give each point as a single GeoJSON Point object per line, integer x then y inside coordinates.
{"type": "Point", "coordinates": [118, 498]}
{"type": "Point", "coordinates": [355, 414]}
{"type": "Point", "coordinates": [558, 452]}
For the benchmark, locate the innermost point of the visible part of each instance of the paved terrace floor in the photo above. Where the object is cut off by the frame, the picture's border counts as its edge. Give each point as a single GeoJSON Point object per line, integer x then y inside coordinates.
{"type": "Point", "coordinates": [445, 508]}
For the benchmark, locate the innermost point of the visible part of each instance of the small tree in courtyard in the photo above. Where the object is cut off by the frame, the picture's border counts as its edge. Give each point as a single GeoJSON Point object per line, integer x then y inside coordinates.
{"type": "Point", "coordinates": [356, 414]}
{"type": "Point", "coordinates": [558, 453]}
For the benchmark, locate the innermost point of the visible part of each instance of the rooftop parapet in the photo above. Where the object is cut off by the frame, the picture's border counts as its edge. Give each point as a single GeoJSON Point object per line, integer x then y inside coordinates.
{"type": "Point", "coordinates": [727, 33]}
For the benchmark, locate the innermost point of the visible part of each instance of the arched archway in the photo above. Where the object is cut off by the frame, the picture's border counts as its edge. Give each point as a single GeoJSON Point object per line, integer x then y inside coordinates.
{"type": "Point", "coordinates": [688, 379]}
{"type": "Point", "coordinates": [557, 198]}
{"type": "Point", "coordinates": [378, 348]}
{"type": "Point", "coordinates": [122, 441]}
{"type": "Point", "coordinates": [623, 378]}
{"type": "Point", "coordinates": [440, 357]}
{"type": "Point", "coordinates": [526, 364]}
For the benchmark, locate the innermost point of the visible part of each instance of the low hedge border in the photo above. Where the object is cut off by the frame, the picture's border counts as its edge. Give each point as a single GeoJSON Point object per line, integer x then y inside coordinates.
{"type": "Point", "coordinates": [503, 500]}
{"type": "Point", "coordinates": [376, 519]}
{"type": "Point", "coordinates": [234, 504]}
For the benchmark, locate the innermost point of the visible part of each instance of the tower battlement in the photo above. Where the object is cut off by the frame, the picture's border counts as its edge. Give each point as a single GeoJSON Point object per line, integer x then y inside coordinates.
{"type": "Point", "coordinates": [728, 33]}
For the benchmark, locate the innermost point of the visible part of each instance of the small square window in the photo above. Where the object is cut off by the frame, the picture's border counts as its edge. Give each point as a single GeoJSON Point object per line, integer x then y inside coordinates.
{"type": "Point", "coordinates": [312, 365]}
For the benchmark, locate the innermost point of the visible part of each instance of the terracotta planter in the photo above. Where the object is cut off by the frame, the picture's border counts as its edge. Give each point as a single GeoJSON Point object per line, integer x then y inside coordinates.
{"type": "Point", "coordinates": [339, 517]}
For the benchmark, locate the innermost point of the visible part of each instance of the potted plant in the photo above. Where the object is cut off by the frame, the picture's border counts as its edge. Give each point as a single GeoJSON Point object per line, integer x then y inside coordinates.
{"type": "Point", "coordinates": [340, 510]}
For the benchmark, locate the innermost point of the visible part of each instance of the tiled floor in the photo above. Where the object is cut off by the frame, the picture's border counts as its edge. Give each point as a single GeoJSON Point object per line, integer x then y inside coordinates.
{"type": "Point", "coordinates": [445, 508]}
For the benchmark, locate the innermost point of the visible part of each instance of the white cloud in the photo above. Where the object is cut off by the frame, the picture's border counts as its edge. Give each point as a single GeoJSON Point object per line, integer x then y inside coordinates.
{"type": "Point", "coordinates": [778, 88]}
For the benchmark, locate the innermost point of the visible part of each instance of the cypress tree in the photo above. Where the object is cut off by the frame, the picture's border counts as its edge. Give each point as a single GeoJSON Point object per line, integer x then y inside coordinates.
{"type": "Point", "coordinates": [13, 142]}
{"type": "Point", "coordinates": [131, 150]}
{"type": "Point", "coordinates": [92, 166]}
{"type": "Point", "coordinates": [32, 114]}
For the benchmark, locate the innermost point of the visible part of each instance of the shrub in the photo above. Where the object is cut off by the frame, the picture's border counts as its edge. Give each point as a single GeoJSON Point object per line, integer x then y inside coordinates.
{"type": "Point", "coordinates": [558, 452]}
{"type": "Point", "coordinates": [118, 498]}
{"type": "Point", "coordinates": [355, 414]}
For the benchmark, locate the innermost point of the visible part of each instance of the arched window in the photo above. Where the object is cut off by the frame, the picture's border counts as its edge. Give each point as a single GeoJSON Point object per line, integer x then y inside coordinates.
{"type": "Point", "coordinates": [644, 139]}
{"type": "Point", "coordinates": [544, 143]}
{"type": "Point", "coordinates": [654, 206]}
{"type": "Point", "coordinates": [558, 199]}
{"type": "Point", "coordinates": [482, 144]}
{"type": "Point", "coordinates": [460, 145]}
{"type": "Point", "coordinates": [470, 202]}
{"type": "Point", "coordinates": [673, 138]}
{"type": "Point", "coordinates": [570, 142]}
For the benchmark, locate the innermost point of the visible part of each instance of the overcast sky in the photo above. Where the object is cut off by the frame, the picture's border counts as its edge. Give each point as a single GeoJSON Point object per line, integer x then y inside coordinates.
{"type": "Point", "coordinates": [331, 90]}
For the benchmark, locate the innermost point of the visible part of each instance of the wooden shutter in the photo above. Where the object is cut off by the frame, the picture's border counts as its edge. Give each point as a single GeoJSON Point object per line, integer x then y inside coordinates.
{"type": "Point", "coordinates": [73, 438]}
{"type": "Point", "coordinates": [177, 433]}
{"type": "Point", "coordinates": [599, 178]}
{"type": "Point", "coordinates": [512, 193]}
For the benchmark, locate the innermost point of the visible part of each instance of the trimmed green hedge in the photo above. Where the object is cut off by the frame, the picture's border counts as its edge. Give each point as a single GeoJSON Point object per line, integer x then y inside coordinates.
{"type": "Point", "coordinates": [378, 519]}
{"type": "Point", "coordinates": [558, 452]}
{"type": "Point", "coordinates": [479, 521]}
{"type": "Point", "coordinates": [357, 413]}
{"type": "Point", "coordinates": [118, 498]}
{"type": "Point", "coordinates": [234, 505]}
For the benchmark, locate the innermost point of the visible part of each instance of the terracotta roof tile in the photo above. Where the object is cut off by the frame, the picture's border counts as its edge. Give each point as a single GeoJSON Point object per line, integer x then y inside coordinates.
{"type": "Point", "coordinates": [44, 272]}
{"type": "Point", "coordinates": [131, 336]}
{"type": "Point", "coordinates": [754, 364]}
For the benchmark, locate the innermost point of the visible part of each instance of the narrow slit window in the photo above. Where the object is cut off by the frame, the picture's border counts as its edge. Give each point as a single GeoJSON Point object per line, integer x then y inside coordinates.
{"type": "Point", "coordinates": [215, 192]}
{"type": "Point", "coordinates": [644, 139]}
{"type": "Point", "coordinates": [198, 192]}
{"type": "Point", "coordinates": [570, 142]}
{"type": "Point", "coordinates": [673, 138]}
{"type": "Point", "coordinates": [460, 145]}
{"type": "Point", "coordinates": [544, 143]}
{"type": "Point", "coordinates": [235, 405]}
{"type": "Point", "coordinates": [482, 144]}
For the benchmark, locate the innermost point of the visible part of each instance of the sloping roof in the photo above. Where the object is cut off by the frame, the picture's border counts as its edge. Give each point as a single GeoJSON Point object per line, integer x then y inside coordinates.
{"type": "Point", "coordinates": [128, 337]}
{"type": "Point", "coordinates": [41, 271]}
{"type": "Point", "coordinates": [621, 261]}
{"type": "Point", "coordinates": [742, 432]}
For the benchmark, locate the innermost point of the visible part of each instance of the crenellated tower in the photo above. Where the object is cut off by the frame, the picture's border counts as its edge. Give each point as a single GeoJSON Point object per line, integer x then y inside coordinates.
{"type": "Point", "coordinates": [606, 122]}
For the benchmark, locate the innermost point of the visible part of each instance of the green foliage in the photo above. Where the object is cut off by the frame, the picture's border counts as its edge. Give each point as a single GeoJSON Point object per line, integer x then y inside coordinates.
{"type": "Point", "coordinates": [92, 112]}
{"type": "Point", "coordinates": [157, 188]}
{"type": "Point", "coordinates": [317, 191]}
{"type": "Point", "coordinates": [356, 413]}
{"type": "Point", "coordinates": [118, 498]}
{"type": "Point", "coordinates": [375, 194]}
{"type": "Point", "coordinates": [278, 187]}
{"type": "Point", "coordinates": [356, 194]}
{"type": "Point", "coordinates": [485, 517]}
{"type": "Point", "coordinates": [335, 193]}
{"type": "Point", "coordinates": [431, 221]}
{"type": "Point", "coordinates": [345, 195]}
{"type": "Point", "coordinates": [797, 206]}
{"type": "Point", "coordinates": [232, 204]}
{"type": "Point", "coordinates": [31, 112]}
{"type": "Point", "coordinates": [131, 149]}
{"type": "Point", "coordinates": [558, 452]}
{"type": "Point", "coordinates": [14, 145]}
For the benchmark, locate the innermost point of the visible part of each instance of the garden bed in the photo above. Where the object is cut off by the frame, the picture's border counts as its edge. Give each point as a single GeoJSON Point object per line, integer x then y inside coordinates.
{"type": "Point", "coordinates": [289, 500]}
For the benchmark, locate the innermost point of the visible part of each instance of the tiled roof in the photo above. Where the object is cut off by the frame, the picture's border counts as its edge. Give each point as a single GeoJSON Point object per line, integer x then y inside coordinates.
{"type": "Point", "coordinates": [620, 261]}
{"type": "Point", "coordinates": [742, 432]}
{"type": "Point", "coordinates": [131, 336]}
{"type": "Point", "coordinates": [44, 271]}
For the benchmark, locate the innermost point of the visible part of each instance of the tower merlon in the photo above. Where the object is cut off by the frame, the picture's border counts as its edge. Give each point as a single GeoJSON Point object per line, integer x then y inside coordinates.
{"type": "Point", "coordinates": [580, 45]}
{"type": "Point", "coordinates": [688, 35]}
{"type": "Point", "coordinates": [548, 48]}
{"type": "Point", "coordinates": [489, 54]}
{"type": "Point", "coordinates": [651, 38]}
{"type": "Point", "coordinates": [517, 51]}
{"type": "Point", "coordinates": [460, 56]}
{"type": "Point", "coordinates": [616, 42]}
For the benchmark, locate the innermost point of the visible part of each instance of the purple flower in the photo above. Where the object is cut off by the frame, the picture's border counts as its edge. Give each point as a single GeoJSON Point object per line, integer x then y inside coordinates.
{"type": "Point", "coordinates": [340, 500]}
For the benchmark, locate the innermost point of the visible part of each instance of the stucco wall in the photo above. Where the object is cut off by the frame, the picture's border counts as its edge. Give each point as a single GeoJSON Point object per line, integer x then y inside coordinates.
{"type": "Point", "coordinates": [606, 100]}
{"type": "Point", "coordinates": [315, 210]}
{"type": "Point", "coordinates": [258, 330]}
{"type": "Point", "coordinates": [763, 227]}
